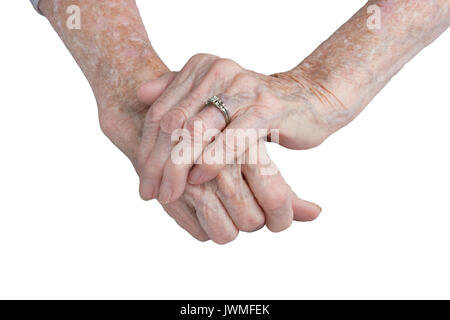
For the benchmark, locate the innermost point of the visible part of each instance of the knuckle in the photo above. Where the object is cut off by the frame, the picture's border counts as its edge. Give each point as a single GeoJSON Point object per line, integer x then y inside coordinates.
{"type": "Point", "coordinates": [148, 172]}
{"type": "Point", "coordinates": [251, 222]}
{"type": "Point", "coordinates": [226, 185]}
{"type": "Point", "coordinates": [173, 120]}
{"type": "Point", "coordinates": [141, 160]}
{"type": "Point", "coordinates": [191, 193]}
{"type": "Point", "coordinates": [220, 233]}
{"type": "Point", "coordinates": [279, 227]}
{"type": "Point", "coordinates": [153, 168]}
{"type": "Point", "coordinates": [199, 57]}
{"type": "Point", "coordinates": [230, 147]}
{"type": "Point", "coordinates": [157, 112]}
{"type": "Point", "coordinates": [195, 58]}
{"type": "Point", "coordinates": [243, 80]}
{"type": "Point", "coordinates": [231, 189]}
{"type": "Point", "coordinates": [266, 98]}
{"type": "Point", "coordinates": [259, 113]}
{"type": "Point", "coordinates": [196, 127]}
{"type": "Point", "coordinates": [195, 97]}
{"type": "Point", "coordinates": [276, 199]}
{"type": "Point", "coordinates": [224, 65]}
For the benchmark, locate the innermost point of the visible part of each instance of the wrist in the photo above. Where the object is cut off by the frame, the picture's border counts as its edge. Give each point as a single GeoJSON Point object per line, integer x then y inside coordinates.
{"type": "Point", "coordinates": [111, 47]}
{"type": "Point", "coordinates": [113, 51]}
{"type": "Point", "coordinates": [118, 82]}
{"type": "Point", "coordinates": [121, 114]}
{"type": "Point", "coordinates": [325, 107]}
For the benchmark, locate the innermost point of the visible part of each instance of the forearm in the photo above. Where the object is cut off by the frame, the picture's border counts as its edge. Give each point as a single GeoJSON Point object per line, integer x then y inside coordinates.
{"type": "Point", "coordinates": [355, 63]}
{"type": "Point", "coordinates": [112, 47]}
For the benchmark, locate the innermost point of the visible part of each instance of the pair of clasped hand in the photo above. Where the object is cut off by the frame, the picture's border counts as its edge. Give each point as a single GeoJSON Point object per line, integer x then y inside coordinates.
{"type": "Point", "coordinates": [226, 186]}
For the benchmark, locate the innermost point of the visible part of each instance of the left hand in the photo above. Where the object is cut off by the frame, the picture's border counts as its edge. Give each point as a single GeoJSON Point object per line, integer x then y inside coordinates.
{"type": "Point", "coordinates": [241, 198]}
{"type": "Point", "coordinates": [298, 107]}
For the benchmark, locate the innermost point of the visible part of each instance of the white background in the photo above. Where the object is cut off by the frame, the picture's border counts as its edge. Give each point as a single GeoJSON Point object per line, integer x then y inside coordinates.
{"type": "Point", "coordinates": [73, 226]}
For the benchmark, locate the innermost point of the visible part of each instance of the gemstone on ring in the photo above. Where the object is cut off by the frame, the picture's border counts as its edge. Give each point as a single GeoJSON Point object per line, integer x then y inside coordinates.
{"type": "Point", "coordinates": [219, 104]}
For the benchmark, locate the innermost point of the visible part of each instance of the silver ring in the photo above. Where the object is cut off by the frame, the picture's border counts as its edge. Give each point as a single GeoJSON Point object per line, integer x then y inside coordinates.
{"type": "Point", "coordinates": [218, 103]}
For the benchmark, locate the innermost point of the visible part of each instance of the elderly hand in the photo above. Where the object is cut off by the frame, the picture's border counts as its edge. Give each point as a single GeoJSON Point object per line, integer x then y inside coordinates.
{"type": "Point", "coordinates": [115, 67]}
{"type": "Point", "coordinates": [304, 112]}
{"type": "Point", "coordinates": [241, 198]}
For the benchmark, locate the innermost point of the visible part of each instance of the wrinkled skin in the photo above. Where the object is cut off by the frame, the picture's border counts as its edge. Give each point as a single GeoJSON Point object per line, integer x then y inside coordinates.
{"type": "Point", "coordinates": [116, 57]}
{"type": "Point", "coordinates": [306, 104]}
{"type": "Point", "coordinates": [240, 198]}
{"type": "Point", "coordinates": [219, 209]}
{"type": "Point", "coordinates": [299, 108]}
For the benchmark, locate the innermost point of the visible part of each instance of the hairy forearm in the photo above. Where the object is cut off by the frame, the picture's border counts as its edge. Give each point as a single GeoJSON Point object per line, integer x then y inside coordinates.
{"type": "Point", "coordinates": [111, 47]}
{"type": "Point", "coordinates": [356, 62]}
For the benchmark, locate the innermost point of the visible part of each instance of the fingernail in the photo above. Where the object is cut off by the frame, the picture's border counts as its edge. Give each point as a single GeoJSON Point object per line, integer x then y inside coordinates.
{"type": "Point", "coordinates": [195, 176]}
{"type": "Point", "coordinates": [147, 189]}
{"type": "Point", "coordinates": [165, 194]}
{"type": "Point", "coordinates": [319, 208]}
{"type": "Point", "coordinates": [316, 207]}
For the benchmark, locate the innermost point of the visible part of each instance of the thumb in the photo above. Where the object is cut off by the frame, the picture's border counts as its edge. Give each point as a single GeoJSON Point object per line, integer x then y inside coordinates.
{"type": "Point", "coordinates": [152, 90]}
